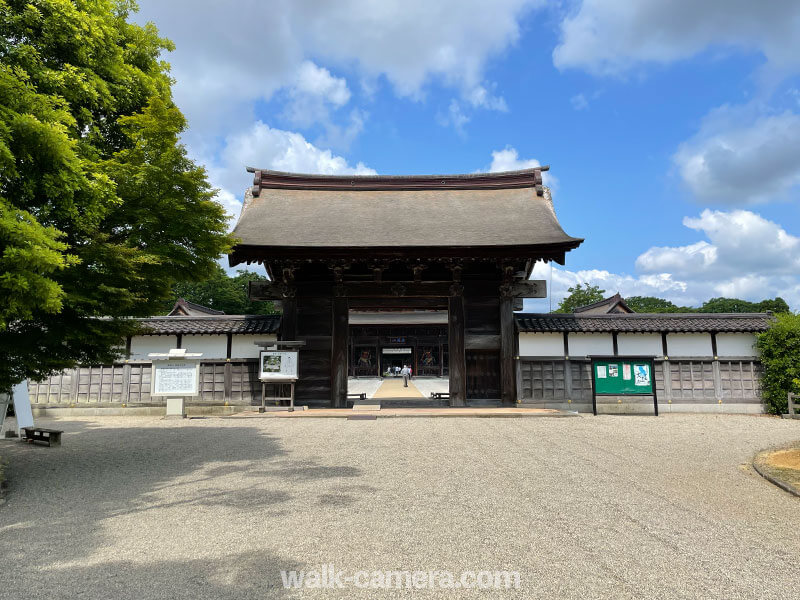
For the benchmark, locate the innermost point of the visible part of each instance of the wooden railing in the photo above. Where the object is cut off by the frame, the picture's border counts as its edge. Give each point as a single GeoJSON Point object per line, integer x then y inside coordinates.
{"type": "Point", "coordinates": [794, 407]}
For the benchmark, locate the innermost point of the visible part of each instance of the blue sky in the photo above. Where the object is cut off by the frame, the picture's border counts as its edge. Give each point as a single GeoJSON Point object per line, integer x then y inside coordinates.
{"type": "Point", "coordinates": [672, 127]}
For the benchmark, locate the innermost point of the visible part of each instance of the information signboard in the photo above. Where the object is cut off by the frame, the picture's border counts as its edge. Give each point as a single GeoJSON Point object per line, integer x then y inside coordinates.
{"type": "Point", "coordinates": [621, 376]}
{"type": "Point", "coordinates": [175, 378]}
{"type": "Point", "coordinates": [278, 366]}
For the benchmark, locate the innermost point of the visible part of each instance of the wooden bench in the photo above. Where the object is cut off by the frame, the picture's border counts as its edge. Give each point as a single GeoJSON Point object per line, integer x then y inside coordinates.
{"type": "Point", "coordinates": [52, 437]}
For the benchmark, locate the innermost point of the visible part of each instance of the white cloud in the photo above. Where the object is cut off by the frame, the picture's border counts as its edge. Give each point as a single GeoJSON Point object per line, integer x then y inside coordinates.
{"type": "Point", "coordinates": [231, 54]}
{"type": "Point", "coordinates": [579, 102]}
{"type": "Point", "coordinates": [316, 81]}
{"type": "Point", "coordinates": [613, 36]}
{"type": "Point", "coordinates": [508, 159]}
{"type": "Point", "coordinates": [312, 94]}
{"type": "Point", "coordinates": [477, 98]}
{"type": "Point", "coordinates": [741, 155]}
{"type": "Point", "coordinates": [744, 256]}
{"type": "Point", "coordinates": [265, 147]}
{"type": "Point", "coordinates": [480, 97]}
{"type": "Point", "coordinates": [454, 117]}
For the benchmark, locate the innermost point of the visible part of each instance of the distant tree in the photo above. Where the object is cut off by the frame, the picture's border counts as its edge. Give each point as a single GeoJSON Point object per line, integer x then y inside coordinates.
{"type": "Point", "coordinates": [580, 295]}
{"type": "Point", "coordinates": [778, 305]}
{"type": "Point", "coordinates": [779, 348]}
{"type": "Point", "coordinates": [651, 304]}
{"type": "Point", "coordinates": [222, 292]}
{"type": "Point", "coordinates": [727, 305]}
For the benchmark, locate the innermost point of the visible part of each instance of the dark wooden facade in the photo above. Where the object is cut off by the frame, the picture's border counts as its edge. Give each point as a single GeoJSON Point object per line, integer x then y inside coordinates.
{"type": "Point", "coordinates": [461, 243]}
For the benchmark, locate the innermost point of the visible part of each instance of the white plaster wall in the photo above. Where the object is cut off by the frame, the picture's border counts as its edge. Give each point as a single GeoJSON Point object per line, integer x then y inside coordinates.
{"type": "Point", "coordinates": [142, 345]}
{"type": "Point", "coordinates": [645, 344]}
{"type": "Point", "coordinates": [541, 344]}
{"type": "Point", "coordinates": [585, 344]}
{"type": "Point", "coordinates": [211, 346]}
{"type": "Point", "coordinates": [689, 344]}
{"type": "Point", "coordinates": [243, 346]}
{"type": "Point", "coordinates": [736, 344]}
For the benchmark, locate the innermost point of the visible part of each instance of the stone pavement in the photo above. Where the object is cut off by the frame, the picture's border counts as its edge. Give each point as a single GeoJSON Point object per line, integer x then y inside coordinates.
{"type": "Point", "coordinates": [136, 508]}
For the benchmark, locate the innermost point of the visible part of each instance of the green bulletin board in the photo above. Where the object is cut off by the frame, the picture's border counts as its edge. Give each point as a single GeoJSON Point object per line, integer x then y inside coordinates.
{"type": "Point", "coordinates": [619, 377]}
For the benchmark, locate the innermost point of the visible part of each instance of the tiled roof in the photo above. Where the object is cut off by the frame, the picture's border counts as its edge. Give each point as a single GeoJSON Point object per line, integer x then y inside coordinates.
{"type": "Point", "coordinates": [644, 323]}
{"type": "Point", "coordinates": [211, 324]}
{"type": "Point", "coordinates": [605, 306]}
{"type": "Point", "coordinates": [186, 308]}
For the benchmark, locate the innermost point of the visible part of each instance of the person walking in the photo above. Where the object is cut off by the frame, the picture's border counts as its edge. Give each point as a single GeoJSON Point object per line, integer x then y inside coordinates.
{"type": "Point", "coordinates": [406, 373]}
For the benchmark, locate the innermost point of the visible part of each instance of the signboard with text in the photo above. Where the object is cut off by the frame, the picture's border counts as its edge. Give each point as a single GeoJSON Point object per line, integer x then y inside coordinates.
{"type": "Point", "coordinates": [175, 378]}
{"type": "Point", "coordinates": [277, 365]}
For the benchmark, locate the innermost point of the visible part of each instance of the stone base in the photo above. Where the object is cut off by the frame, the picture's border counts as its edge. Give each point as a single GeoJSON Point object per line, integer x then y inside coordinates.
{"type": "Point", "coordinates": [366, 405]}
{"type": "Point", "coordinates": [176, 408]}
{"type": "Point", "coordinates": [134, 411]}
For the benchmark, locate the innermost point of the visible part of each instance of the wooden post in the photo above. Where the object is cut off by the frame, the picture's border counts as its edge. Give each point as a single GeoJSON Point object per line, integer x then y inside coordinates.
{"type": "Point", "coordinates": [457, 351]}
{"type": "Point", "coordinates": [289, 319]}
{"type": "Point", "coordinates": [126, 383]}
{"type": "Point", "coordinates": [339, 336]}
{"type": "Point", "coordinates": [508, 392]}
{"type": "Point", "coordinates": [227, 384]}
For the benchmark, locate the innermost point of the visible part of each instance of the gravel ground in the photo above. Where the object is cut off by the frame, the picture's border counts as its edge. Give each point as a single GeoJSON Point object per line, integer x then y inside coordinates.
{"type": "Point", "coordinates": [603, 507]}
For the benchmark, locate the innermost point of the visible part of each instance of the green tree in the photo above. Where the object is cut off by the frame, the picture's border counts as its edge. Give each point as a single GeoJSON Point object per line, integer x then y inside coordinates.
{"type": "Point", "coordinates": [222, 292]}
{"type": "Point", "coordinates": [777, 305]}
{"type": "Point", "coordinates": [779, 348]}
{"type": "Point", "coordinates": [580, 295]}
{"type": "Point", "coordinates": [651, 304]}
{"type": "Point", "coordinates": [100, 209]}
{"type": "Point", "coordinates": [727, 305]}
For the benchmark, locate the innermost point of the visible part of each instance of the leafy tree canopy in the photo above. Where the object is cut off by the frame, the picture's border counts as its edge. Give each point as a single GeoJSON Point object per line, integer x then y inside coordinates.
{"type": "Point", "coordinates": [580, 295]}
{"type": "Point", "coordinates": [100, 208]}
{"type": "Point", "coordinates": [779, 347]}
{"type": "Point", "coordinates": [650, 304]}
{"type": "Point", "coordinates": [221, 292]}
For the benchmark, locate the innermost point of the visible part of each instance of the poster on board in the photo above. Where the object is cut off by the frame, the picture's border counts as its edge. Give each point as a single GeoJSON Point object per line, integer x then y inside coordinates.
{"type": "Point", "coordinates": [626, 372]}
{"type": "Point", "coordinates": [641, 375]}
{"type": "Point", "coordinates": [278, 365]}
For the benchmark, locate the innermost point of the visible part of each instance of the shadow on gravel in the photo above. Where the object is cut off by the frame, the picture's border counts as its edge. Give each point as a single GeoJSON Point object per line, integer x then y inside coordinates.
{"type": "Point", "coordinates": [55, 533]}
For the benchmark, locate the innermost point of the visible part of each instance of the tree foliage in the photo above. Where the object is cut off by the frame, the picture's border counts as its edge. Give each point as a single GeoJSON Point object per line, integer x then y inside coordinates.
{"type": "Point", "coordinates": [650, 304]}
{"type": "Point", "coordinates": [100, 208]}
{"type": "Point", "coordinates": [779, 347]}
{"type": "Point", "coordinates": [222, 292]}
{"type": "Point", "coordinates": [580, 295]}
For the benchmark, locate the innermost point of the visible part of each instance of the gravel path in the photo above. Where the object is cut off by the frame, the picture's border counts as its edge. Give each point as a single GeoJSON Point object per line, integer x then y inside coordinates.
{"type": "Point", "coordinates": [604, 507]}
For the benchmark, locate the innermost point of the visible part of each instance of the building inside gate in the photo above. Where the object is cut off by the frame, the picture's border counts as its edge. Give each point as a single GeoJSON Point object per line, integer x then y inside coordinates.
{"type": "Point", "coordinates": [374, 271]}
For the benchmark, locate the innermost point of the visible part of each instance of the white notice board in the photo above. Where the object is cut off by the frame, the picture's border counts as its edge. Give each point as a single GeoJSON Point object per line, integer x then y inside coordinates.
{"type": "Point", "coordinates": [175, 378]}
{"type": "Point", "coordinates": [277, 365]}
{"type": "Point", "coordinates": [22, 406]}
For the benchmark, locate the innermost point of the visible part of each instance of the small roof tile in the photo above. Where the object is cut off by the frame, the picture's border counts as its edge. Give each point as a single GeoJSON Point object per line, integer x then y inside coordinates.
{"type": "Point", "coordinates": [644, 322]}
{"type": "Point", "coordinates": [211, 324]}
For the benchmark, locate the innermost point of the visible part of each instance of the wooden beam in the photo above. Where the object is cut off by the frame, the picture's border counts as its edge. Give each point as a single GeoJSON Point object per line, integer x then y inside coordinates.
{"type": "Point", "coordinates": [398, 303]}
{"type": "Point", "coordinates": [396, 291]}
{"type": "Point", "coordinates": [339, 335]}
{"type": "Point", "coordinates": [457, 351]}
